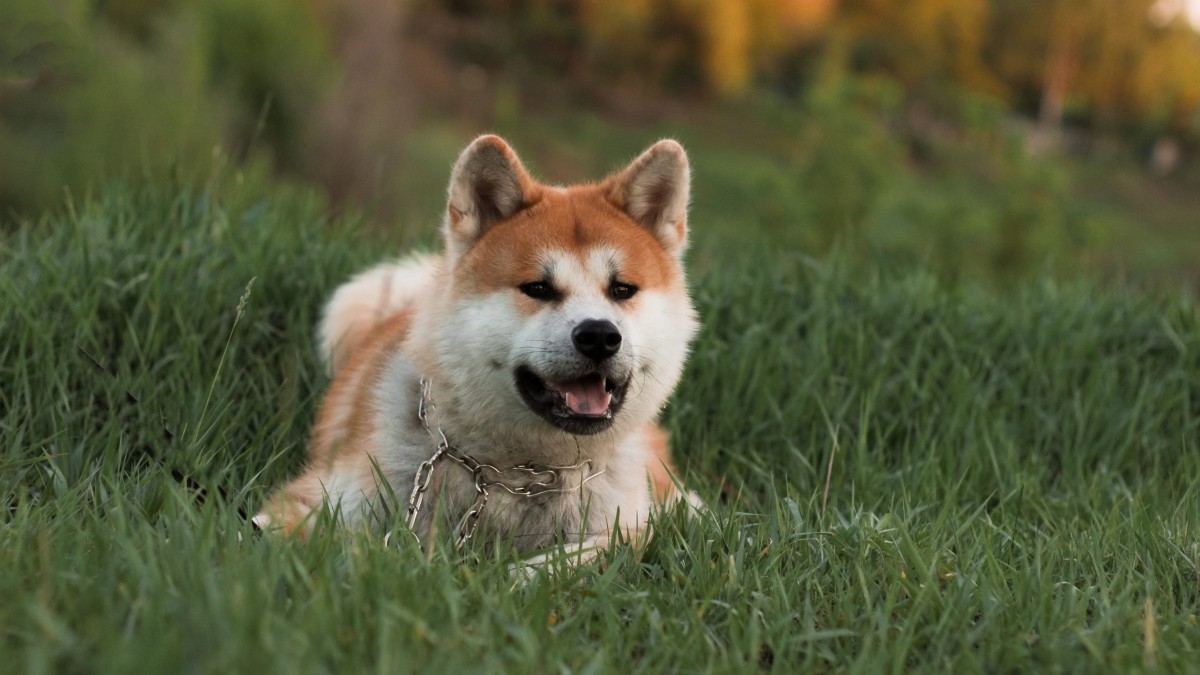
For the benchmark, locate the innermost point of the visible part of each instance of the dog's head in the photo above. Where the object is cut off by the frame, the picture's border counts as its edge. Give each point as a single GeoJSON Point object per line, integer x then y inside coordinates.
{"type": "Point", "coordinates": [567, 307]}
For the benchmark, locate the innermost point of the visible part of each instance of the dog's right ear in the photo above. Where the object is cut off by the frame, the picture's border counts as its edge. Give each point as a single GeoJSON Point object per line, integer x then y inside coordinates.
{"type": "Point", "coordinates": [488, 185]}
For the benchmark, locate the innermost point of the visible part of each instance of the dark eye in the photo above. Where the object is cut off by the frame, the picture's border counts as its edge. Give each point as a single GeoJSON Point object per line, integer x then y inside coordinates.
{"type": "Point", "coordinates": [620, 290]}
{"type": "Point", "coordinates": [539, 290]}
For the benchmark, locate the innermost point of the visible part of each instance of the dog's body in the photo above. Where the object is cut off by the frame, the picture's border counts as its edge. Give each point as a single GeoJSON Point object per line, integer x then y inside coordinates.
{"type": "Point", "coordinates": [550, 333]}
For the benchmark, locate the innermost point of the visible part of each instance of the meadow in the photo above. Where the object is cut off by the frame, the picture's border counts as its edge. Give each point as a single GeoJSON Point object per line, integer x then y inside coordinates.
{"type": "Point", "coordinates": [906, 469]}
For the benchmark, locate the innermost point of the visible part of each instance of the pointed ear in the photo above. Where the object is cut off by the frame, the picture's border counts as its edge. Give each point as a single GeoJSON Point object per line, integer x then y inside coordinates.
{"type": "Point", "coordinates": [488, 185]}
{"type": "Point", "coordinates": [654, 192]}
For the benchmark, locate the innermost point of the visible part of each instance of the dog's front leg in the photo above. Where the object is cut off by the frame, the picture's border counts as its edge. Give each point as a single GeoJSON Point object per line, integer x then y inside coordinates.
{"type": "Point", "coordinates": [572, 553]}
{"type": "Point", "coordinates": [348, 485]}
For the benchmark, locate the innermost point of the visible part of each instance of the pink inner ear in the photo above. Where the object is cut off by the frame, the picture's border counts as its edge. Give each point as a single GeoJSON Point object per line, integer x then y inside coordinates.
{"type": "Point", "coordinates": [488, 185]}
{"type": "Point", "coordinates": [496, 200]}
{"type": "Point", "coordinates": [653, 191]}
{"type": "Point", "coordinates": [653, 203]}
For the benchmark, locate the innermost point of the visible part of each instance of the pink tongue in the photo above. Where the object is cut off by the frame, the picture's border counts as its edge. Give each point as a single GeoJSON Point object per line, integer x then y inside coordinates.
{"type": "Point", "coordinates": [586, 396]}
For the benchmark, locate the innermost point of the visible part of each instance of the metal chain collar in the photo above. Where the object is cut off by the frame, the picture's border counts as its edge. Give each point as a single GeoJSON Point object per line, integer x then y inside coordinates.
{"type": "Point", "coordinates": [531, 480]}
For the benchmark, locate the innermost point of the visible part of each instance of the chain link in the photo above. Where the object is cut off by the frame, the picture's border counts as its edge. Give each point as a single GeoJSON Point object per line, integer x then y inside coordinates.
{"type": "Point", "coordinates": [542, 479]}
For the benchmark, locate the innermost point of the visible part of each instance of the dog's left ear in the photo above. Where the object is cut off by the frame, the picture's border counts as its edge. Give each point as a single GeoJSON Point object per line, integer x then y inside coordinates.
{"type": "Point", "coordinates": [488, 185]}
{"type": "Point", "coordinates": [654, 192]}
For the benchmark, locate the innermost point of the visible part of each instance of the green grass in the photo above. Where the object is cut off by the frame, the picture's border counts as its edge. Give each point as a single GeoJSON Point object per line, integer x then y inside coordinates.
{"type": "Point", "coordinates": [1015, 474]}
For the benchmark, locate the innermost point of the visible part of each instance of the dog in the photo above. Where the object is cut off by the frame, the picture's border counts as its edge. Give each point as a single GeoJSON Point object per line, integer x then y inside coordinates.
{"type": "Point", "coordinates": [509, 389]}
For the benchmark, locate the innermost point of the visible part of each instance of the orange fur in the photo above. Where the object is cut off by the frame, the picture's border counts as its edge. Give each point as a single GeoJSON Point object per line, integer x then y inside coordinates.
{"type": "Point", "coordinates": [573, 219]}
{"type": "Point", "coordinates": [343, 428]}
{"type": "Point", "coordinates": [659, 466]}
{"type": "Point", "coordinates": [343, 423]}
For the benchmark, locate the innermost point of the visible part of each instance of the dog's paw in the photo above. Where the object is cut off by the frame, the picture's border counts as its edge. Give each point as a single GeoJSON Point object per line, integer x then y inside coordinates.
{"type": "Point", "coordinates": [695, 503]}
{"type": "Point", "coordinates": [526, 570]}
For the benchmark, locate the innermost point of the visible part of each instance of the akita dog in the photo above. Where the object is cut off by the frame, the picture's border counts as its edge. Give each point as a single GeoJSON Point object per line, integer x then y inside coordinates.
{"type": "Point", "coordinates": [509, 388]}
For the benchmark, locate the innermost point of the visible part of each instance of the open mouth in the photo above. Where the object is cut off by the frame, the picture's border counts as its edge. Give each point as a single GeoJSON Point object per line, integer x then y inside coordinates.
{"type": "Point", "coordinates": [584, 405]}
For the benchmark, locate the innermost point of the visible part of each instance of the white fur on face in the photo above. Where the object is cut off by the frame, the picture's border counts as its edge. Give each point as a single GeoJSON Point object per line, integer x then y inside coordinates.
{"type": "Point", "coordinates": [584, 284]}
{"type": "Point", "coordinates": [487, 338]}
{"type": "Point", "coordinates": [474, 341]}
{"type": "Point", "coordinates": [660, 337]}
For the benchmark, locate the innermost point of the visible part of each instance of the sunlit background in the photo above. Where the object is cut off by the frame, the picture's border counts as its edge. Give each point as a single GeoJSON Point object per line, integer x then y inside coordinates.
{"type": "Point", "coordinates": [985, 138]}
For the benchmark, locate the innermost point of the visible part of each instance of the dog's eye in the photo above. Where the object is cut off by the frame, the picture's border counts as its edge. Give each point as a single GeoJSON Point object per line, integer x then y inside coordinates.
{"type": "Point", "coordinates": [539, 290]}
{"type": "Point", "coordinates": [622, 291]}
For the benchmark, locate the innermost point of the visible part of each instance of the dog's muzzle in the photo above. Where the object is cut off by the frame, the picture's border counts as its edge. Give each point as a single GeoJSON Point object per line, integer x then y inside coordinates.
{"type": "Point", "coordinates": [580, 405]}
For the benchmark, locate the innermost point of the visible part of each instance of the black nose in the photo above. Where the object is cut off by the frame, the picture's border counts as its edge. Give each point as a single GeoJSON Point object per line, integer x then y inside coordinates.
{"type": "Point", "coordinates": [596, 339]}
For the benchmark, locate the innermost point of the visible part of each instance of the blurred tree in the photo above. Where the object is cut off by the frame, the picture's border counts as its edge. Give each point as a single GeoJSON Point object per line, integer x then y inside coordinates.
{"type": "Point", "coordinates": [726, 43]}
{"type": "Point", "coordinates": [926, 44]}
{"type": "Point", "coordinates": [275, 60]}
{"type": "Point", "coordinates": [136, 17]}
{"type": "Point", "coordinates": [94, 90]}
{"type": "Point", "coordinates": [1166, 78]}
{"type": "Point", "coordinates": [780, 28]}
{"type": "Point", "coordinates": [1109, 60]}
{"type": "Point", "coordinates": [90, 89]}
{"type": "Point", "coordinates": [1105, 62]}
{"type": "Point", "coordinates": [727, 40]}
{"type": "Point", "coordinates": [91, 106]}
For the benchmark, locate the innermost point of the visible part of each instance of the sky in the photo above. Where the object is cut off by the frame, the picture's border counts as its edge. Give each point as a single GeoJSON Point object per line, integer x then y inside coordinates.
{"type": "Point", "coordinates": [1189, 7]}
{"type": "Point", "coordinates": [1192, 8]}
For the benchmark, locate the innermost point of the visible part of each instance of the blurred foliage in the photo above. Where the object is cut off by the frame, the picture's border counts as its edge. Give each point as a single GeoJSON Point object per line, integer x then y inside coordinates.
{"type": "Point", "coordinates": [1118, 62]}
{"type": "Point", "coordinates": [724, 42]}
{"type": "Point", "coordinates": [882, 125]}
{"type": "Point", "coordinates": [925, 44]}
{"type": "Point", "coordinates": [92, 90]}
{"type": "Point", "coordinates": [850, 159]}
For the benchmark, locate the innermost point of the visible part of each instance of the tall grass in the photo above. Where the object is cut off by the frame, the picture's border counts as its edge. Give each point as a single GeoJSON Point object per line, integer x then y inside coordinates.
{"type": "Point", "coordinates": [903, 472]}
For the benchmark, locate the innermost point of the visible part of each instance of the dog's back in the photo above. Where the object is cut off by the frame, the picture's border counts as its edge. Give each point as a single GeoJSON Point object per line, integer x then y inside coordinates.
{"type": "Point", "coordinates": [370, 298]}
